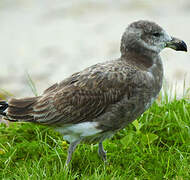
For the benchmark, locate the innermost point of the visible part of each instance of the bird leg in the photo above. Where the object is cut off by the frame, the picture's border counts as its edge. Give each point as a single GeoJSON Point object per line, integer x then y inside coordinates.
{"type": "Point", "coordinates": [71, 149]}
{"type": "Point", "coordinates": [101, 151]}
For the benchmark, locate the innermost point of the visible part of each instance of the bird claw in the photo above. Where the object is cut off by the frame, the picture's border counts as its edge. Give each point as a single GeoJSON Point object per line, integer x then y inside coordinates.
{"type": "Point", "coordinates": [102, 152]}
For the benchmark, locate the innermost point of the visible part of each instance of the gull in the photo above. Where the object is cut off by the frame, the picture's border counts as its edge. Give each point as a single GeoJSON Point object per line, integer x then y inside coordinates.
{"type": "Point", "coordinates": [95, 103]}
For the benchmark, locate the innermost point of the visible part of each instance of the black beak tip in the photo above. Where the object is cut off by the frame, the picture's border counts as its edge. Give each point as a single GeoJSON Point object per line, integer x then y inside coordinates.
{"type": "Point", "coordinates": [183, 46]}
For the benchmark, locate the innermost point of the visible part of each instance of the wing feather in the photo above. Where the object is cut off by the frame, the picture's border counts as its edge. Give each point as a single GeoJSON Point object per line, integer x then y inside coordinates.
{"type": "Point", "coordinates": [82, 97]}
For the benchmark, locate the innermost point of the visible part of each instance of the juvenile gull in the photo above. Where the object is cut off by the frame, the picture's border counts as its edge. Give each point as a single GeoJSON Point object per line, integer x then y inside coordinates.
{"type": "Point", "coordinates": [92, 105]}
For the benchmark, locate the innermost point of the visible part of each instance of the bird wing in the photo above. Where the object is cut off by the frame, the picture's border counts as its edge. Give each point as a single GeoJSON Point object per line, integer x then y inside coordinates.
{"type": "Point", "coordinates": [83, 96]}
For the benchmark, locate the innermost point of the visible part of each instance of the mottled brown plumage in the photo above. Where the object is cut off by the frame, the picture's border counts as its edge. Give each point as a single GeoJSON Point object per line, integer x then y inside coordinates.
{"type": "Point", "coordinates": [93, 104]}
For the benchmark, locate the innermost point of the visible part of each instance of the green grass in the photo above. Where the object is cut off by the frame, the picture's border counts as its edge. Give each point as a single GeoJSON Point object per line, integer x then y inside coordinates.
{"type": "Point", "coordinates": [156, 146]}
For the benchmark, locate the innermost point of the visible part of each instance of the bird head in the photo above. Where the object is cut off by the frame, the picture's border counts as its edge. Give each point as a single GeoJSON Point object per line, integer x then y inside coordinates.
{"type": "Point", "coordinates": [147, 37]}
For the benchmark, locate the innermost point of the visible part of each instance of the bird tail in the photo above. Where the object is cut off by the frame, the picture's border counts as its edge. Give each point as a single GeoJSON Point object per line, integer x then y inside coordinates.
{"type": "Point", "coordinates": [3, 106]}
{"type": "Point", "coordinates": [18, 109]}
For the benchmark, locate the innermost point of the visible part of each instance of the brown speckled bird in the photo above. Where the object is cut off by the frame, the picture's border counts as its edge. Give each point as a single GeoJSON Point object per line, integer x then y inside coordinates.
{"type": "Point", "coordinates": [92, 105]}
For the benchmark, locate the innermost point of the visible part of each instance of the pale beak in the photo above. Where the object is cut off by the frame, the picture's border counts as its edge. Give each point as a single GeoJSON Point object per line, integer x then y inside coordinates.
{"type": "Point", "coordinates": [177, 44]}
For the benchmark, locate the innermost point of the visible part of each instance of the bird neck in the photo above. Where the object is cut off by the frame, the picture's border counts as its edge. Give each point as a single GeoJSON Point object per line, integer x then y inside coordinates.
{"type": "Point", "coordinates": [139, 59]}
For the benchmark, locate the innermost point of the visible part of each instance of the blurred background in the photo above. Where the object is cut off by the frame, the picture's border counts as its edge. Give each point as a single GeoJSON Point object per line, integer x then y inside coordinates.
{"type": "Point", "coordinates": [50, 40]}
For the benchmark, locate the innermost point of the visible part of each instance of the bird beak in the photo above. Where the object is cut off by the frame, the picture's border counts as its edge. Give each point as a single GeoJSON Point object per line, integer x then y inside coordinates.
{"type": "Point", "coordinates": [177, 44]}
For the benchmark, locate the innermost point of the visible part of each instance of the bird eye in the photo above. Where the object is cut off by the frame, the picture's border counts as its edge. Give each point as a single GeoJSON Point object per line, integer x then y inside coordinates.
{"type": "Point", "coordinates": [156, 34]}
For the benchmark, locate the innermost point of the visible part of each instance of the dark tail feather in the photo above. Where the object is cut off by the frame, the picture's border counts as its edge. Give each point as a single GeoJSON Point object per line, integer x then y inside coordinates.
{"type": "Point", "coordinates": [3, 106]}
{"type": "Point", "coordinates": [19, 109]}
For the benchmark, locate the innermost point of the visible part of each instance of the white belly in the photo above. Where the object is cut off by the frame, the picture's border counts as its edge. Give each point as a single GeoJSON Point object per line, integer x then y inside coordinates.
{"type": "Point", "coordinates": [74, 132]}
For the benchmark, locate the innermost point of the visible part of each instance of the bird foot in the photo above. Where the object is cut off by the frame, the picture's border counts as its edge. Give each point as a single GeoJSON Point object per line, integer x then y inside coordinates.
{"type": "Point", "coordinates": [102, 152]}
